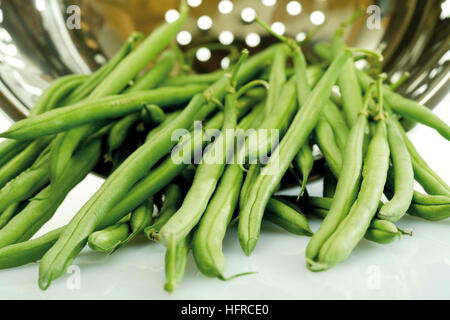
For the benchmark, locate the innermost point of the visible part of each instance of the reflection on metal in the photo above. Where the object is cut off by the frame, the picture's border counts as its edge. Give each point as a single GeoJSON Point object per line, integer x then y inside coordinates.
{"type": "Point", "coordinates": [36, 46]}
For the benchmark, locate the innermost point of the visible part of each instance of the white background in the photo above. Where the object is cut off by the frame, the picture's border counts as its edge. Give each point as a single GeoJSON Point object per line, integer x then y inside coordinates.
{"type": "Point", "coordinates": [413, 268]}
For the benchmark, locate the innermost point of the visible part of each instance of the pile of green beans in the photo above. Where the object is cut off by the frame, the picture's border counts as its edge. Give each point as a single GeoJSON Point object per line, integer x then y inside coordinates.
{"type": "Point", "coordinates": [185, 191]}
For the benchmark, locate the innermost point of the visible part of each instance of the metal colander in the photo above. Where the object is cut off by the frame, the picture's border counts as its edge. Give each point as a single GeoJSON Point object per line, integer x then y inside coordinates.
{"type": "Point", "coordinates": [41, 40]}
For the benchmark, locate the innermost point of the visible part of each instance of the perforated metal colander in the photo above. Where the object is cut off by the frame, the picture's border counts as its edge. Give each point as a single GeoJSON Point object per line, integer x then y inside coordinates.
{"type": "Point", "coordinates": [38, 41]}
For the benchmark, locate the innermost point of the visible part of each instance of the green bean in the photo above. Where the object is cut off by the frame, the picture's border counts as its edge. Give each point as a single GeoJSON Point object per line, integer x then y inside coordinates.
{"type": "Point", "coordinates": [44, 102]}
{"type": "Point", "coordinates": [139, 58]}
{"type": "Point", "coordinates": [176, 258]}
{"type": "Point", "coordinates": [248, 184]}
{"type": "Point", "coordinates": [430, 180]}
{"type": "Point", "coordinates": [430, 212]}
{"type": "Point", "coordinates": [277, 79]}
{"type": "Point", "coordinates": [327, 143]}
{"type": "Point", "coordinates": [98, 208]}
{"type": "Point", "coordinates": [428, 207]}
{"type": "Point", "coordinates": [10, 149]}
{"type": "Point", "coordinates": [6, 215]}
{"type": "Point", "coordinates": [425, 199]}
{"type": "Point", "coordinates": [140, 219]}
{"type": "Point", "coordinates": [395, 85]}
{"type": "Point", "coordinates": [172, 202]}
{"type": "Point", "coordinates": [207, 240]}
{"type": "Point", "coordinates": [208, 173]}
{"type": "Point", "coordinates": [329, 183]}
{"type": "Point", "coordinates": [397, 207]}
{"type": "Point", "coordinates": [26, 223]}
{"type": "Point", "coordinates": [380, 231]}
{"type": "Point", "coordinates": [168, 119]}
{"type": "Point", "coordinates": [332, 113]}
{"type": "Point", "coordinates": [118, 79]}
{"type": "Point", "coordinates": [352, 99]}
{"type": "Point", "coordinates": [26, 184]}
{"type": "Point", "coordinates": [206, 78]}
{"type": "Point", "coordinates": [153, 114]}
{"type": "Point", "coordinates": [120, 130]}
{"type": "Point", "coordinates": [288, 217]}
{"type": "Point", "coordinates": [354, 226]}
{"type": "Point", "coordinates": [20, 254]}
{"type": "Point", "coordinates": [410, 109]}
{"type": "Point", "coordinates": [108, 239]}
{"type": "Point", "coordinates": [323, 50]}
{"type": "Point", "coordinates": [60, 95]}
{"type": "Point", "coordinates": [337, 122]}
{"type": "Point", "coordinates": [150, 113]}
{"type": "Point", "coordinates": [346, 189]}
{"type": "Point", "coordinates": [155, 76]}
{"type": "Point", "coordinates": [96, 79]}
{"type": "Point", "coordinates": [67, 118]}
{"type": "Point", "coordinates": [22, 161]}
{"type": "Point", "coordinates": [304, 163]}
{"type": "Point", "coordinates": [50, 99]}
{"type": "Point", "coordinates": [114, 237]}
{"type": "Point", "coordinates": [303, 80]}
{"type": "Point", "coordinates": [297, 135]}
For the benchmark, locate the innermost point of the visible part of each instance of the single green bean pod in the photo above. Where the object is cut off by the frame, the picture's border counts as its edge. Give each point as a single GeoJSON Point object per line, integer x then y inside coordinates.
{"type": "Point", "coordinates": [23, 253]}
{"type": "Point", "coordinates": [6, 215]}
{"type": "Point", "coordinates": [120, 130]}
{"type": "Point", "coordinates": [172, 202]}
{"type": "Point", "coordinates": [288, 217]}
{"type": "Point", "coordinates": [326, 141]}
{"type": "Point", "coordinates": [153, 115]}
{"type": "Point", "coordinates": [175, 260]}
{"type": "Point", "coordinates": [107, 240]}
{"type": "Point", "coordinates": [403, 176]}
{"type": "Point", "coordinates": [304, 163]}
{"type": "Point", "coordinates": [382, 232]}
{"type": "Point", "coordinates": [94, 111]}
{"type": "Point", "coordinates": [352, 99]}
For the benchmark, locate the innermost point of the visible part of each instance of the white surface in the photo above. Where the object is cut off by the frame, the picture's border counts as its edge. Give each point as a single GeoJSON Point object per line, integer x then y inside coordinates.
{"type": "Point", "coordinates": [414, 268]}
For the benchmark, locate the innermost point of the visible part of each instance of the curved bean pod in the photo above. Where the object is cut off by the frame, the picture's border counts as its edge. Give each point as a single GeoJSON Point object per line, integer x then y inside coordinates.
{"type": "Point", "coordinates": [64, 119]}
{"type": "Point", "coordinates": [402, 167]}
{"type": "Point", "coordinates": [172, 202]}
{"type": "Point", "coordinates": [23, 253]}
{"type": "Point", "coordinates": [288, 217]}
{"type": "Point", "coordinates": [352, 99]}
{"type": "Point", "coordinates": [175, 261]}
